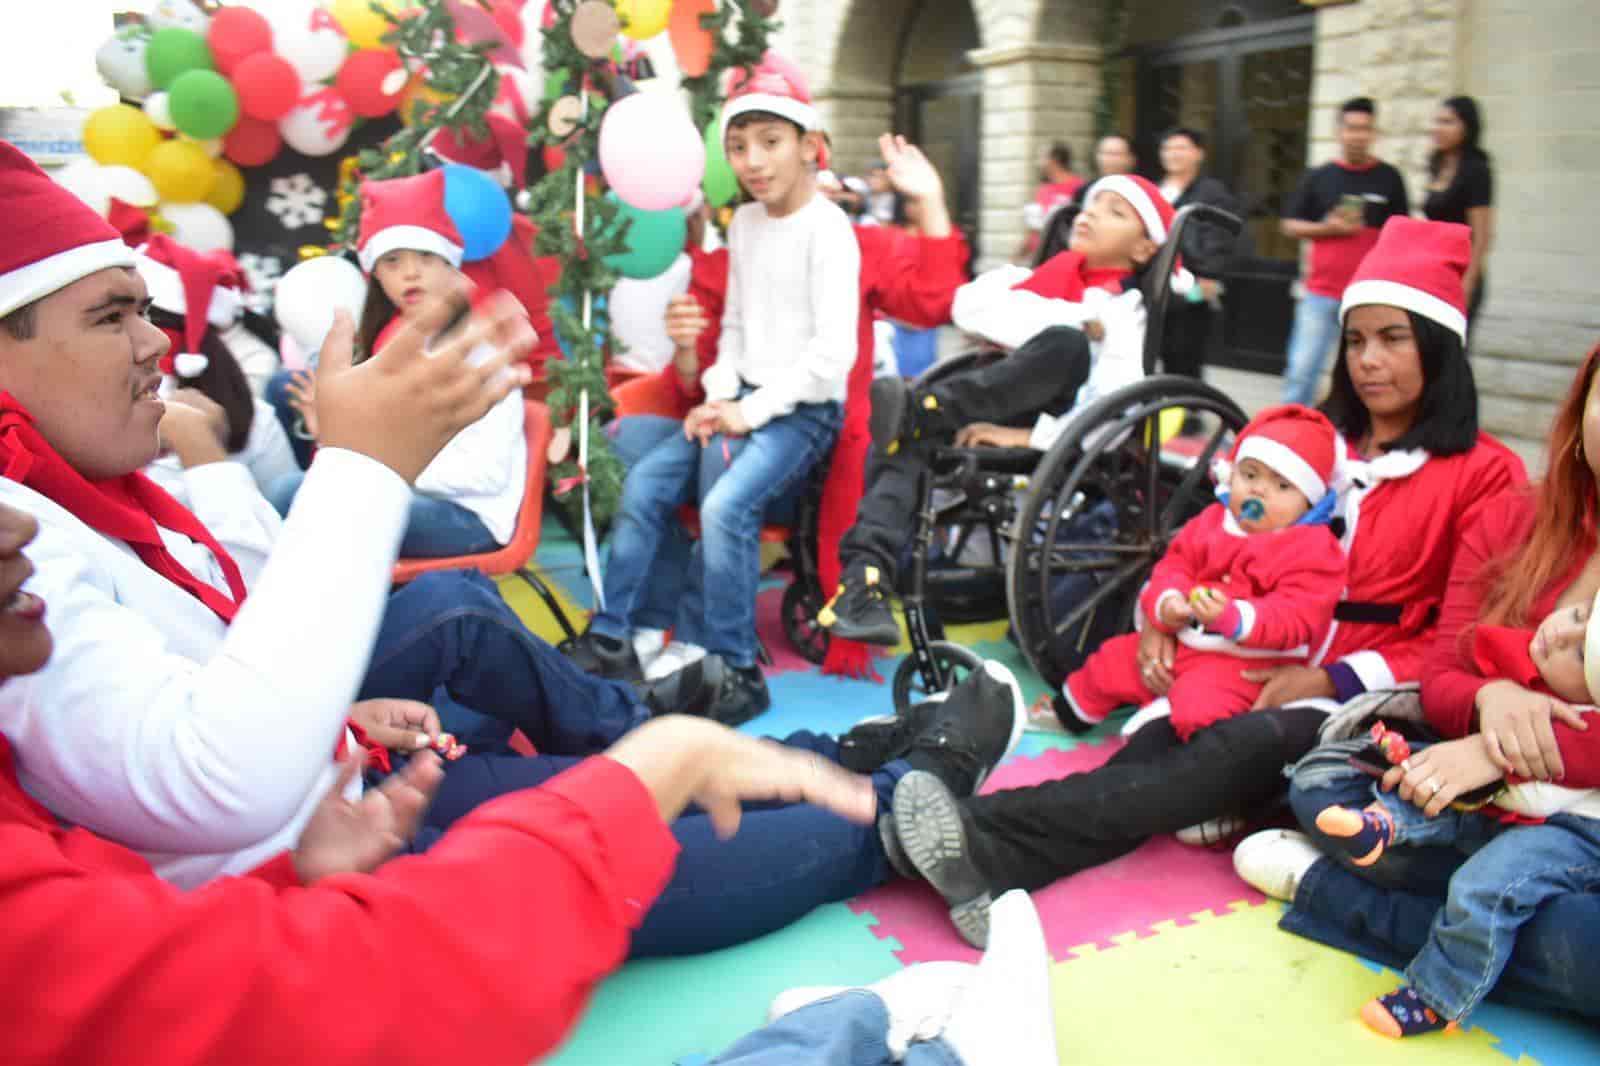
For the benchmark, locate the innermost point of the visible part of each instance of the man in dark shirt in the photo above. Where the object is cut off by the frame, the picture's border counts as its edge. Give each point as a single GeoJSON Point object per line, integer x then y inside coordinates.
{"type": "Point", "coordinates": [1339, 207]}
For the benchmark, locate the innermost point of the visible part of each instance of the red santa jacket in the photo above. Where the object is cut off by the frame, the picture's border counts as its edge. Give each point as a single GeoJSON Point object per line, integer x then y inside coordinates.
{"type": "Point", "coordinates": [1453, 673]}
{"type": "Point", "coordinates": [485, 950]}
{"type": "Point", "coordinates": [1403, 515]}
{"type": "Point", "coordinates": [1285, 583]}
{"type": "Point", "coordinates": [913, 281]}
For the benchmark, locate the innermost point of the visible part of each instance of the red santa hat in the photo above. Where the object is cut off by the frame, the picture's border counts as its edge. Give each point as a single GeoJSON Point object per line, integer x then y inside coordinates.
{"type": "Point", "coordinates": [1298, 443]}
{"type": "Point", "coordinates": [52, 238]}
{"type": "Point", "coordinates": [507, 122]}
{"type": "Point", "coordinates": [1153, 210]}
{"type": "Point", "coordinates": [407, 213]}
{"type": "Point", "coordinates": [1417, 266]}
{"type": "Point", "coordinates": [180, 278]}
{"type": "Point", "coordinates": [775, 86]}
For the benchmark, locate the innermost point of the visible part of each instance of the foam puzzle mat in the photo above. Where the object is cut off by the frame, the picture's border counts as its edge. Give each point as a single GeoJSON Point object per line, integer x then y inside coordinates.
{"type": "Point", "coordinates": [1161, 957]}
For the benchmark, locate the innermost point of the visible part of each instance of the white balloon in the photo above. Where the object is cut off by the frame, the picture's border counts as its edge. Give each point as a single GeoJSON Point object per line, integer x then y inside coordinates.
{"type": "Point", "coordinates": [309, 39]}
{"type": "Point", "coordinates": [200, 226]}
{"type": "Point", "coordinates": [319, 124]}
{"type": "Point", "coordinates": [83, 179]}
{"type": "Point", "coordinates": [180, 13]}
{"type": "Point", "coordinates": [129, 186]}
{"type": "Point", "coordinates": [306, 297]}
{"type": "Point", "coordinates": [120, 62]}
{"type": "Point", "coordinates": [158, 109]}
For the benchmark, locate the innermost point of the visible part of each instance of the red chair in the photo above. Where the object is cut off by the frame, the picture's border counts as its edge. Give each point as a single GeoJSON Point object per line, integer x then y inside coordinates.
{"type": "Point", "coordinates": [515, 557]}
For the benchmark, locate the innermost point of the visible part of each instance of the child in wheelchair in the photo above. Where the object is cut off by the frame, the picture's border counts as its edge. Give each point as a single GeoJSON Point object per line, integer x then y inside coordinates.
{"type": "Point", "coordinates": [1249, 582]}
{"type": "Point", "coordinates": [1077, 325]}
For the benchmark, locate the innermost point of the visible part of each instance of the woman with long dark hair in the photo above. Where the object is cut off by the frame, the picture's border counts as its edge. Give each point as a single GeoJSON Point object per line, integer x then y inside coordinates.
{"type": "Point", "coordinates": [1461, 187]}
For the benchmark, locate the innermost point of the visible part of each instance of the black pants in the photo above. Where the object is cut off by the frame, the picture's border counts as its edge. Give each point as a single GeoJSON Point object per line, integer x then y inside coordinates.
{"type": "Point", "coordinates": [1029, 837]}
{"type": "Point", "coordinates": [1044, 374]}
{"type": "Point", "coordinates": [1183, 345]}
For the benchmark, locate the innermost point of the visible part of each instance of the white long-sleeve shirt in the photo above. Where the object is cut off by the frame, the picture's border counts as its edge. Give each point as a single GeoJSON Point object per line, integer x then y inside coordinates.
{"type": "Point", "coordinates": [485, 468]}
{"type": "Point", "coordinates": [993, 308]}
{"type": "Point", "coordinates": [205, 746]}
{"type": "Point", "coordinates": [794, 299]}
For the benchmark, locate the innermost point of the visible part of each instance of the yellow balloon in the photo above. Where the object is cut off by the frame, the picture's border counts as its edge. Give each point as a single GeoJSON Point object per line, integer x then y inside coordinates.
{"type": "Point", "coordinates": [643, 19]}
{"type": "Point", "coordinates": [364, 26]}
{"type": "Point", "coordinates": [181, 171]}
{"type": "Point", "coordinates": [227, 187]}
{"type": "Point", "coordinates": [120, 135]}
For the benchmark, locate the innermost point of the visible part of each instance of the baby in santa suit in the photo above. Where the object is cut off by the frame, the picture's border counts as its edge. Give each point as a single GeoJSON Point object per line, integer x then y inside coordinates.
{"type": "Point", "coordinates": [1250, 582]}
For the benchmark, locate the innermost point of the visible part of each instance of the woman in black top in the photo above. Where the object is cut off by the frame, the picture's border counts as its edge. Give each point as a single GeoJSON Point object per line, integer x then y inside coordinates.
{"type": "Point", "coordinates": [1205, 249]}
{"type": "Point", "coordinates": [1461, 186]}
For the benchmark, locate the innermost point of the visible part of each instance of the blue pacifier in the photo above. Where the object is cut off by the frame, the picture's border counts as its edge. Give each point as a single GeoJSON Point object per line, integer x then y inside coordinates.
{"type": "Point", "coordinates": [1252, 510]}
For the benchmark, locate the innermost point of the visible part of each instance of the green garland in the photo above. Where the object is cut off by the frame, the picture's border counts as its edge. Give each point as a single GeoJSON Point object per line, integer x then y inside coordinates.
{"type": "Point", "coordinates": [743, 50]}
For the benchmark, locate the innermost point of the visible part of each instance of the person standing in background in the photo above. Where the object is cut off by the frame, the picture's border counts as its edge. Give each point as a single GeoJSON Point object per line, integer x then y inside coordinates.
{"type": "Point", "coordinates": [1461, 187]}
{"type": "Point", "coordinates": [1057, 186]}
{"type": "Point", "coordinates": [1205, 250]}
{"type": "Point", "coordinates": [1339, 207]}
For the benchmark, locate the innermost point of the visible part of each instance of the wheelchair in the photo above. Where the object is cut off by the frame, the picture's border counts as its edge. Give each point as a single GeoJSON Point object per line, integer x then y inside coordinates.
{"type": "Point", "coordinates": [1075, 532]}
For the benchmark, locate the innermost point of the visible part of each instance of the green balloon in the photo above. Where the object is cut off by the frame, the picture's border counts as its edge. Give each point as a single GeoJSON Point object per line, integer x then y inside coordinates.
{"type": "Point", "coordinates": [203, 104]}
{"type": "Point", "coordinates": [654, 239]}
{"type": "Point", "coordinates": [720, 185]}
{"type": "Point", "coordinates": [173, 50]}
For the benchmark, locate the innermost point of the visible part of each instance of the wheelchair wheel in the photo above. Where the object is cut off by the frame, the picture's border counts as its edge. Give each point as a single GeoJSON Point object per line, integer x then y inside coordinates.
{"type": "Point", "coordinates": [951, 662]}
{"type": "Point", "coordinates": [801, 602]}
{"type": "Point", "coordinates": [1105, 502]}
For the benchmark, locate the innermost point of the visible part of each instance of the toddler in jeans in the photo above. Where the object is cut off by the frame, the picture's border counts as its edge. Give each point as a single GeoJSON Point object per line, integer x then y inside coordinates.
{"type": "Point", "coordinates": [1514, 867]}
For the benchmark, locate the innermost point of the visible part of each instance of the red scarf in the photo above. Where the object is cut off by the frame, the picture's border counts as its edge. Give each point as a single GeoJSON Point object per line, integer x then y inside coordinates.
{"type": "Point", "coordinates": [1066, 276]}
{"type": "Point", "coordinates": [127, 508]}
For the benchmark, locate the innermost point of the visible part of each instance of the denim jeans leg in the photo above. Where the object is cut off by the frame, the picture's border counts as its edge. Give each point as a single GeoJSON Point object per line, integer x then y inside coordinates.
{"type": "Point", "coordinates": [452, 629]}
{"type": "Point", "coordinates": [441, 528]}
{"type": "Point", "coordinates": [1316, 326]}
{"type": "Point", "coordinates": [1554, 966]}
{"type": "Point", "coordinates": [277, 394]}
{"type": "Point", "coordinates": [281, 493]}
{"type": "Point", "coordinates": [849, 1029]}
{"type": "Point", "coordinates": [1492, 896]}
{"type": "Point", "coordinates": [653, 490]}
{"type": "Point", "coordinates": [774, 459]}
{"type": "Point", "coordinates": [635, 436]}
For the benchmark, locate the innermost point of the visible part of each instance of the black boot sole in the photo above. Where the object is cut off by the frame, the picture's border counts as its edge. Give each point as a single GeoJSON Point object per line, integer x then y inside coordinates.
{"type": "Point", "coordinates": [877, 633]}
{"type": "Point", "coordinates": [927, 820]}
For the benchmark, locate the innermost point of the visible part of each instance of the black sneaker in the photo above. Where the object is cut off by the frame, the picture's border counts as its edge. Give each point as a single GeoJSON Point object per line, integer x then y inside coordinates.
{"type": "Point", "coordinates": [872, 742]}
{"type": "Point", "coordinates": [978, 724]}
{"type": "Point", "coordinates": [860, 609]}
{"type": "Point", "coordinates": [936, 834]}
{"type": "Point", "coordinates": [900, 416]}
{"type": "Point", "coordinates": [603, 656]}
{"type": "Point", "coordinates": [740, 693]}
{"type": "Point", "coordinates": [686, 691]}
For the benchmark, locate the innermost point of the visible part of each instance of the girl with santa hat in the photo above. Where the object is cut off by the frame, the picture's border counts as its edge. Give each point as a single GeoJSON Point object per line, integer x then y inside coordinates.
{"type": "Point", "coordinates": [468, 498]}
{"type": "Point", "coordinates": [1418, 472]}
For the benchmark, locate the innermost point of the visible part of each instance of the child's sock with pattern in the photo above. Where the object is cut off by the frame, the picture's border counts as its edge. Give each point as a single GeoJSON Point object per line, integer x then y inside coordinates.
{"type": "Point", "coordinates": [1363, 834]}
{"type": "Point", "coordinates": [1403, 1013]}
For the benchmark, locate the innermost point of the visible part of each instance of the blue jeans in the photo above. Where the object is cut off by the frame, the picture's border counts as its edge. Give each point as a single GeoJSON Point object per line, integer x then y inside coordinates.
{"type": "Point", "coordinates": [733, 480]}
{"type": "Point", "coordinates": [277, 394]}
{"type": "Point", "coordinates": [435, 528]}
{"type": "Point", "coordinates": [1316, 329]}
{"type": "Point", "coordinates": [1469, 908]}
{"type": "Point", "coordinates": [850, 1029]}
{"type": "Point", "coordinates": [452, 631]}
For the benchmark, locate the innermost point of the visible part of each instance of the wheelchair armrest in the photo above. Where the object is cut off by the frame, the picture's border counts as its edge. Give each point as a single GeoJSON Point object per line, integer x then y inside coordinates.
{"type": "Point", "coordinates": [990, 460]}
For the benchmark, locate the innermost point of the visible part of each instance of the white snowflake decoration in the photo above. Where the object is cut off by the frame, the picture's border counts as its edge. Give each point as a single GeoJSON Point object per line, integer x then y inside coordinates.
{"type": "Point", "coordinates": [263, 272]}
{"type": "Point", "coordinates": [296, 200]}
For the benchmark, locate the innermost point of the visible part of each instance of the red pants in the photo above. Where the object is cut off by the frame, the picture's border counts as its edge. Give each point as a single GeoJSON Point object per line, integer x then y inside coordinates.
{"type": "Point", "coordinates": [1206, 688]}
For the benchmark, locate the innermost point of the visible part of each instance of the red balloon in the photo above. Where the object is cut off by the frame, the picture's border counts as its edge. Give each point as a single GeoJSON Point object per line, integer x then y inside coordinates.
{"type": "Point", "coordinates": [361, 81]}
{"type": "Point", "coordinates": [252, 142]}
{"type": "Point", "coordinates": [268, 86]}
{"type": "Point", "coordinates": [237, 33]}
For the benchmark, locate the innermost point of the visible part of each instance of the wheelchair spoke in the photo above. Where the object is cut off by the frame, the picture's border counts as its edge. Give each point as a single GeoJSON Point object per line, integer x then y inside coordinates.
{"type": "Point", "coordinates": [1191, 479]}
{"type": "Point", "coordinates": [1112, 586]}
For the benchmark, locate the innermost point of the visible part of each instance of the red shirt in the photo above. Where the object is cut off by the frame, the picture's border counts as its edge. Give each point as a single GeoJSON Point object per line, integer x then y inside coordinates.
{"type": "Point", "coordinates": [1452, 676]}
{"type": "Point", "coordinates": [485, 950]}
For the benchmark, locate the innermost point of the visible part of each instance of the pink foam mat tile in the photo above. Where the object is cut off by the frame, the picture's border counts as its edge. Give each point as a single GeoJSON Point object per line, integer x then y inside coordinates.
{"type": "Point", "coordinates": [1162, 881]}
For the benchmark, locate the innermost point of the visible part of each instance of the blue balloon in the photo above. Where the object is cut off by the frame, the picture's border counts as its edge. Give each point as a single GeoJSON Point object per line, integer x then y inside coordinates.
{"type": "Point", "coordinates": [479, 208]}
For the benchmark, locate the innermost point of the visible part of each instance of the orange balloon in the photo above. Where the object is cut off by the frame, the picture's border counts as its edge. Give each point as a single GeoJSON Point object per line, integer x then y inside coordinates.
{"type": "Point", "coordinates": [691, 42]}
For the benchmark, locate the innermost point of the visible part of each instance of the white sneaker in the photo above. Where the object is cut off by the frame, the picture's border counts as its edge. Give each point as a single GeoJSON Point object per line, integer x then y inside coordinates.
{"type": "Point", "coordinates": [675, 657]}
{"type": "Point", "coordinates": [1213, 831]}
{"type": "Point", "coordinates": [919, 1000]}
{"type": "Point", "coordinates": [1273, 861]}
{"type": "Point", "coordinates": [1006, 1017]}
{"type": "Point", "coordinates": [647, 645]}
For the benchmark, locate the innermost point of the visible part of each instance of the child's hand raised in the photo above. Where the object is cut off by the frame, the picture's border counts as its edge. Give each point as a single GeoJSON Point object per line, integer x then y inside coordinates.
{"type": "Point", "coordinates": [908, 169]}
{"type": "Point", "coordinates": [302, 393]}
{"type": "Point", "coordinates": [686, 321]}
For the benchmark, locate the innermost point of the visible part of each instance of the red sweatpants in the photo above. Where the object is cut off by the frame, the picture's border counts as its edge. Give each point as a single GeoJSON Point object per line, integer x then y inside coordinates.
{"type": "Point", "coordinates": [1206, 688]}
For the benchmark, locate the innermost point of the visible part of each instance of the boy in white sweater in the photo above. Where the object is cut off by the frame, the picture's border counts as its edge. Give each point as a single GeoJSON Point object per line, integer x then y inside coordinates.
{"type": "Point", "coordinates": [774, 405]}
